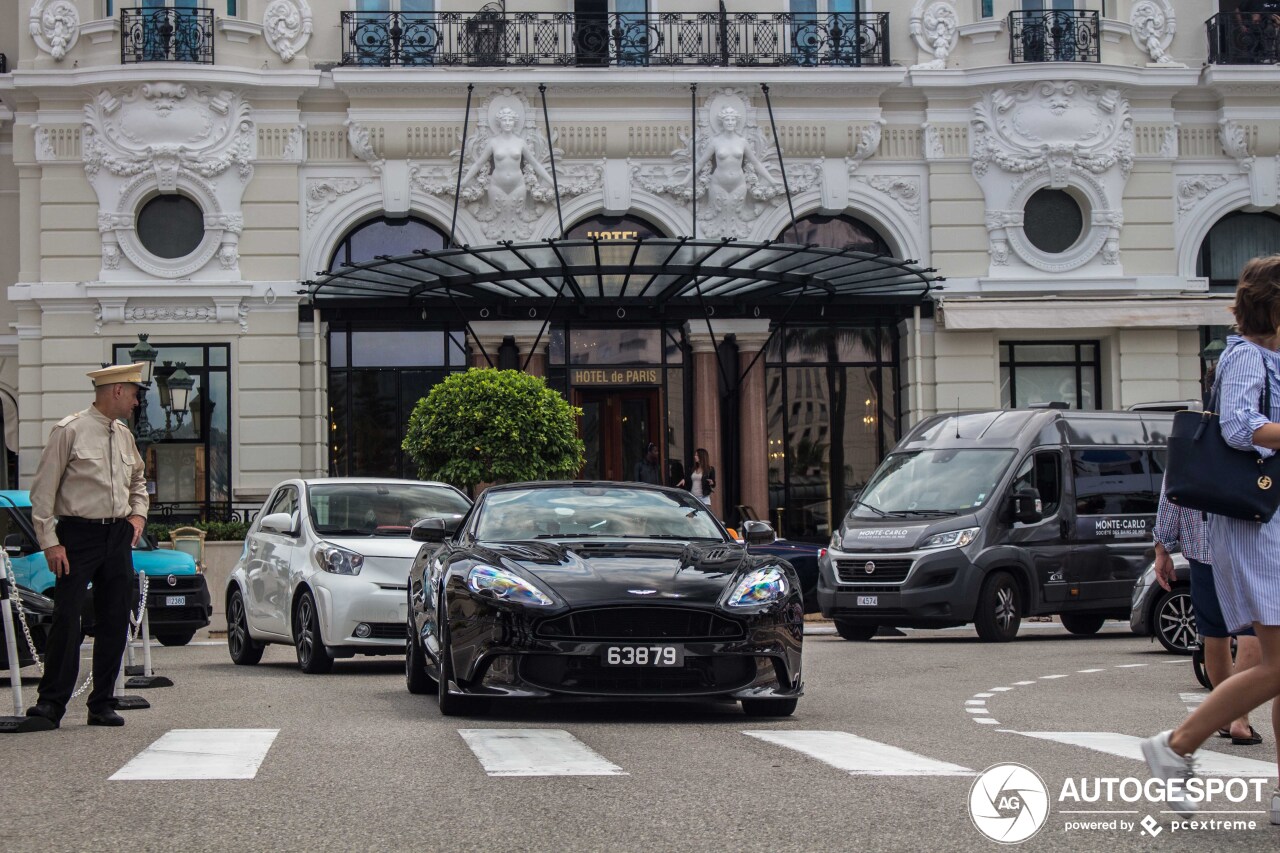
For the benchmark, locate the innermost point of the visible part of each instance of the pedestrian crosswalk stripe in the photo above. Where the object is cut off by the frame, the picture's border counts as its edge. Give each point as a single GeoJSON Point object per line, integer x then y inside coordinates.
{"type": "Point", "coordinates": [536, 752]}
{"type": "Point", "coordinates": [859, 756]}
{"type": "Point", "coordinates": [1128, 746]}
{"type": "Point", "coordinates": [201, 754]}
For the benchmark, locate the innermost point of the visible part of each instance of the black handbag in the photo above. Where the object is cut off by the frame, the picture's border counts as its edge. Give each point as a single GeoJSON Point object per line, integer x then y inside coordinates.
{"type": "Point", "coordinates": [1205, 473]}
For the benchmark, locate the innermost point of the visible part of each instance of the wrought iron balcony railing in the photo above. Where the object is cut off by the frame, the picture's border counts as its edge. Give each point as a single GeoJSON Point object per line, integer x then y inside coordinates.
{"type": "Point", "coordinates": [1243, 38]}
{"type": "Point", "coordinates": [494, 38]}
{"type": "Point", "coordinates": [1054, 35]}
{"type": "Point", "coordinates": [170, 512]}
{"type": "Point", "coordinates": [166, 35]}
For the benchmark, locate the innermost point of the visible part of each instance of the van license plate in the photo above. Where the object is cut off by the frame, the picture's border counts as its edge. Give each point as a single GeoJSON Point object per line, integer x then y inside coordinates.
{"type": "Point", "coordinates": [868, 600]}
{"type": "Point", "coordinates": [175, 601]}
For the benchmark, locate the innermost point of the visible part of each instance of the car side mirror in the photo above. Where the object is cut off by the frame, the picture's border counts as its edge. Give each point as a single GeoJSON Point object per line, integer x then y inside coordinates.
{"type": "Point", "coordinates": [1025, 507]}
{"type": "Point", "coordinates": [435, 529]}
{"type": "Point", "coordinates": [278, 522]}
{"type": "Point", "coordinates": [757, 532]}
{"type": "Point", "coordinates": [13, 545]}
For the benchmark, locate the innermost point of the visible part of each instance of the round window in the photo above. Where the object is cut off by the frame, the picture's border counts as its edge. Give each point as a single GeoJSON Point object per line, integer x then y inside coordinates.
{"type": "Point", "coordinates": [170, 226]}
{"type": "Point", "coordinates": [1052, 221]}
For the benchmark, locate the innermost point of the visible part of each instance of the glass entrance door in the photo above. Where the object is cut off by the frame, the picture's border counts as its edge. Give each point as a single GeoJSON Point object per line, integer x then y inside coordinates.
{"type": "Point", "coordinates": [616, 427]}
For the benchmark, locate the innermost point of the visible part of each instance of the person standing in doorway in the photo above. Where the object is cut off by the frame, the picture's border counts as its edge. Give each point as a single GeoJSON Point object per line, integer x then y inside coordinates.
{"type": "Point", "coordinates": [701, 478]}
{"type": "Point", "coordinates": [89, 506]}
{"type": "Point", "coordinates": [648, 470]}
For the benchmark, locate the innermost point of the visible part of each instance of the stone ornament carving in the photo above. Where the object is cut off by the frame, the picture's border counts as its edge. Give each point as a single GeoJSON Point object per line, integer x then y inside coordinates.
{"type": "Point", "coordinates": [736, 168]}
{"type": "Point", "coordinates": [935, 26]}
{"type": "Point", "coordinates": [868, 143]}
{"type": "Point", "coordinates": [903, 189]}
{"type": "Point", "coordinates": [165, 137]}
{"type": "Point", "coordinates": [321, 194]}
{"type": "Point", "coordinates": [286, 25]}
{"type": "Point", "coordinates": [55, 26]}
{"type": "Point", "coordinates": [117, 311]}
{"type": "Point", "coordinates": [1192, 191]}
{"type": "Point", "coordinates": [1052, 134]}
{"type": "Point", "coordinates": [1153, 24]}
{"type": "Point", "coordinates": [1235, 142]}
{"type": "Point", "coordinates": [507, 185]}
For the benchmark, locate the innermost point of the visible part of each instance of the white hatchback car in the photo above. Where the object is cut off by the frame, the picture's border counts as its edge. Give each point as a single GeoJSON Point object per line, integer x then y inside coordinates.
{"type": "Point", "coordinates": [325, 568]}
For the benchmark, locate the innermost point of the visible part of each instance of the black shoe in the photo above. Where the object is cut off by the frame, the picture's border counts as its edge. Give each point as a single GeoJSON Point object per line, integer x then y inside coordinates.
{"type": "Point", "coordinates": [106, 718]}
{"type": "Point", "coordinates": [45, 711]}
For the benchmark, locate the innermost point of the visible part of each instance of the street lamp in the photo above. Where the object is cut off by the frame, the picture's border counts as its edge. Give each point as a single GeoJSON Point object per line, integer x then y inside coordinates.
{"type": "Point", "coordinates": [174, 385]}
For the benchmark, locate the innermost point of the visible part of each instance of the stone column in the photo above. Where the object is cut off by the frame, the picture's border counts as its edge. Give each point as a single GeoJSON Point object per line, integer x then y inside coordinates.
{"type": "Point", "coordinates": [753, 427]}
{"type": "Point", "coordinates": [706, 407]}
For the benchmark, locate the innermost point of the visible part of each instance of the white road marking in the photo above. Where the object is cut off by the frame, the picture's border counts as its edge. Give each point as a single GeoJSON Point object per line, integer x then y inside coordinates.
{"type": "Point", "coordinates": [536, 752]}
{"type": "Point", "coordinates": [201, 754]}
{"type": "Point", "coordinates": [975, 701]}
{"type": "Point", "coordinates": [1128, 746]}
{"type": "Point", "coordinates": [986, 721]}
{"type": "Point", "coordinates": [981, 710]}
{"type": "Point", "coordinates": [1023, 683]}
{"type": "Point", "coordinates": [1001, 689]}
{"type": "Point", "coordinates": [859, 756]}
{"type": "Point", "coordinates": [1090, 670]}
{"type": "Point", "coordinates": [1192, 698]}
{"type": "Point", "coordinates": [983, 695]}
{"type": "Point", "coordinates": [1051, 677]}
{"type": "Point", "coordinates": [1129, 665]}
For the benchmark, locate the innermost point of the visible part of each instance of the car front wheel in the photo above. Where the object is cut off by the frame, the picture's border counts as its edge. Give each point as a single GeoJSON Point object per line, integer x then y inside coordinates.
{"type": "Point", "coordinates": [1082, 623]}
{"type": "Point", "coordinates": [1175, 622]}
{"type": "Point", "coordinates": [856, 631]}
{"type": "Point", "coordinates": [313, 657]}
{"type": "Point", "coordinates": [415, 674]}
{"type": "Point", "coordinates": [174, 638]}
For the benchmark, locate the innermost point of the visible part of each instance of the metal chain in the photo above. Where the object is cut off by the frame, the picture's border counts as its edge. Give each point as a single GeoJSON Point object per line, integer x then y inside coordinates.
{"type": "Point", "coordinates": [31, 644]}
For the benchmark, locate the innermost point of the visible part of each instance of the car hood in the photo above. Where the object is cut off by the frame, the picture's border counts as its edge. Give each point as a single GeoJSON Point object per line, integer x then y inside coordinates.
{"type": "Point", "coordinates": [582, 573]}
{"type": "Point", "coordinates": [377, 546]}
{"type": "Point", "coordinates": [163, 562]}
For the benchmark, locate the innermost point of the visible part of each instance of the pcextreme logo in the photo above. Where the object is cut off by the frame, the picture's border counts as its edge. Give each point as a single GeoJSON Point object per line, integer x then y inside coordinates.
{"type": "Point", "coordinates": [1009, 803]}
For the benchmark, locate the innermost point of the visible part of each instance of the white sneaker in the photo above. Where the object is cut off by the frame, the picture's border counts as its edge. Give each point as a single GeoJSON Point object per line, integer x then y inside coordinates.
{"type": "Point", "coordinates": [1167, 765]}
{"type": "Point", "coordinates": [1275, 807]}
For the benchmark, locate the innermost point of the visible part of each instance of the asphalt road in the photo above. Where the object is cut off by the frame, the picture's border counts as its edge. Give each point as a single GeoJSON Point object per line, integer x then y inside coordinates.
{"type": "Point", "coordinates": [359, 764]}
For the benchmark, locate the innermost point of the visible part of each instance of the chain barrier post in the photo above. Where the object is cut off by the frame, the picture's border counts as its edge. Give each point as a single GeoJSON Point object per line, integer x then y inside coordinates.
{"type": "Point", "coordinates": [123, 702]}
{"type": "Point", "coordinates": [147, 678]}
{"type": "Point", "coordinates": [19, 722]}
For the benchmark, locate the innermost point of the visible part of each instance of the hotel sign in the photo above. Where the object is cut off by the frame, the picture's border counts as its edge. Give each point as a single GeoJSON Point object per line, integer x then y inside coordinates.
{"type": "Point", "coordinates": [615, 376]}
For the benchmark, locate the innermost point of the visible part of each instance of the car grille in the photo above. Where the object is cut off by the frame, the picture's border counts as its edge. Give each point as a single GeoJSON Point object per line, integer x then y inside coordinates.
{"type": "Point", "coordinates": [885, 571]}
{"type": "Point", "coordinates": [171, 615]}
{"type": "Point", "coordinates": [586, 674]}
{"type": "Point", "coordinates": [640, 623]}
{"type": "Point", "coordinates": [184, 584]}
{"type": "Point", "coordinates": [388, 630]}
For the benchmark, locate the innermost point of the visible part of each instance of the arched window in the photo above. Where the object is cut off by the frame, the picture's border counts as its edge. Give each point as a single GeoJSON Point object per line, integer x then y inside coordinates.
{"type": "Point", "coordinates": [625, 227]}
{"type": "Point", "coordinates": [382, 236]}
{"type": "Point", "coordinates": [836, 232]}
{"type": "Point", "coordinates": [1232, 241]}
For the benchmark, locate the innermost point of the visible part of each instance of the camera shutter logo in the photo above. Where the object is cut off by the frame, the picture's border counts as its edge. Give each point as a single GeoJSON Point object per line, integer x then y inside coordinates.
{"type": "Point", "coordinates": [1009, 803]}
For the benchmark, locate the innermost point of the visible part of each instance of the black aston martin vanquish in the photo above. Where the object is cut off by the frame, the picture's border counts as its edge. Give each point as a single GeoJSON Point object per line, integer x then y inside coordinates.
{"type": "Point", "coordinates": [626, 591]}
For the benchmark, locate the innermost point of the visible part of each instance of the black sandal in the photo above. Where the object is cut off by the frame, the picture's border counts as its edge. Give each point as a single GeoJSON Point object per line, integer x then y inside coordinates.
{"type": "Point", "coordinates": [1252, 740]}
{"type": "Point", "coordinates": [1224, 732]}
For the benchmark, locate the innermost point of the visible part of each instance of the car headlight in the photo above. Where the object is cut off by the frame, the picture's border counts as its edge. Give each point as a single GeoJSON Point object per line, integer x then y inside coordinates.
{"type": "Point", "coordinates": [337, 561]}
{"type": "Point", "coordinates": [504, 586]}
{"type": "Point", "coordinates": [760, 587]}
{"type": "Point", "coordinates": [951, 539]}
{"type": "Point", "coordinates": [836, 541]}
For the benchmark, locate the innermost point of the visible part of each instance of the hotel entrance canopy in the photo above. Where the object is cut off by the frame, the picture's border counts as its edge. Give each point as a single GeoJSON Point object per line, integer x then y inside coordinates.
{"type": "Point", "coordinates": [645, 273]}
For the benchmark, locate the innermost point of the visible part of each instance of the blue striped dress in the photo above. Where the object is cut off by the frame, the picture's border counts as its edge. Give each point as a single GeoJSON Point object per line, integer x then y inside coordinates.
{"type": "Point", "coordinates": [1246, 555]}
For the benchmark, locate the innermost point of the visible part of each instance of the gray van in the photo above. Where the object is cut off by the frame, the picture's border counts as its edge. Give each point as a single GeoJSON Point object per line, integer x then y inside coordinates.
{"type": "Point", "coordinates": [987, 517]}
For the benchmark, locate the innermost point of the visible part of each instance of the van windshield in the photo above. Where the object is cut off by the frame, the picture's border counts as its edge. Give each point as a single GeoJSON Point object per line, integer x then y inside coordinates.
{"type": "Point", "coordinates": [946, 482]}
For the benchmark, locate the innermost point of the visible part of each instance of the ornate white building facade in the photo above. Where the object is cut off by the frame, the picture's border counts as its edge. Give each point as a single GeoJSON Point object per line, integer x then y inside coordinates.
{"type": "Point", "coordinates": [1086, 180]}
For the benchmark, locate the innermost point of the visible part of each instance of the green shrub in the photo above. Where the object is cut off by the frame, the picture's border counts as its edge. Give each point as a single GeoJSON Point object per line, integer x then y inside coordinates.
{"type": "Point", "coordinates": [215, 531]}
{"type": "Point", "coordinates": [494, 426]}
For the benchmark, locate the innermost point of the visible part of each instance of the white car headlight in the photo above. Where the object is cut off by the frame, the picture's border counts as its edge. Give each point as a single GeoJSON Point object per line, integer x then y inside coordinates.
{"type": "Point", "coordinates": [760, 587]}
{"type": "Point", "coordinates": [836, 541]}
{"type": "Point", "coordinates": [951, 539]}
{"type": "Point", "coordinates": [337, 561]}
{"type": "Point", "coordinates": [504, 586]}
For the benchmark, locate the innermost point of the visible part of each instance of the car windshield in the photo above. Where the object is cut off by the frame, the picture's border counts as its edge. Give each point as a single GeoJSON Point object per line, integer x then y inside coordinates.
{"type": "Point", "coordinates": [379, 509]}
{"type": "Point", "coordinates": [922, 482]}
{"type": "Point", "coordinates": [604, 512]}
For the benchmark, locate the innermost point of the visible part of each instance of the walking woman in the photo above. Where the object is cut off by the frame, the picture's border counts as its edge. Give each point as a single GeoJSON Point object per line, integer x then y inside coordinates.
{"type": "Point", "coordinates": [701, 479]}
{"type": "Point", "coordinates": [1246, 555]}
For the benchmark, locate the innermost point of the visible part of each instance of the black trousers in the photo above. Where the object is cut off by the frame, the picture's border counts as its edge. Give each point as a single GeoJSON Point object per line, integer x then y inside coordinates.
{"type": "Point", "coordinates": [101, 554]}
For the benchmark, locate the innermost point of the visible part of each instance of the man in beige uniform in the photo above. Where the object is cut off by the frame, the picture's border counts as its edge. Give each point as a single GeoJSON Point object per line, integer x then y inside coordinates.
{"type": "Point", "coordinates": [89, 505]}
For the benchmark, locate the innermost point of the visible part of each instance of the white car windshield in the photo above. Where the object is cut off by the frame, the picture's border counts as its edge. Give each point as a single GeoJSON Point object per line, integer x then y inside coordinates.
{"type": "Point", "coordinates": [946, 481]}
{"type": "Point", "coordinates": [605, 512]}
{"type": "Point", "coordinates": [378, 509]}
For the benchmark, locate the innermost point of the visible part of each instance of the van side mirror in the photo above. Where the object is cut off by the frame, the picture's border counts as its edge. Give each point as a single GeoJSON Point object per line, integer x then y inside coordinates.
{"type": "Point", "coordinates": [1024, 506]}
{"type": "Point", "coordinates": [435, 529]}
{"type": "Point", "coordinates": [757, 533]}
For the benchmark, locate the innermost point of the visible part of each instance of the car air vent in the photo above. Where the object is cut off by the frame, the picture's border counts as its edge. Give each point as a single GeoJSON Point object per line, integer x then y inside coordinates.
{"type": "Point", "coordinates": [641, 623]}
{"type": "Point", "coordinates": [586, 674]}
{"type": "Point", "coordinates": [858, 570]}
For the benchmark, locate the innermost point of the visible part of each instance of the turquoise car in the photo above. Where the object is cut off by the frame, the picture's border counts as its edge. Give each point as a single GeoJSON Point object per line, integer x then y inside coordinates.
{"type": "Point", "coordinates": [178, 602]}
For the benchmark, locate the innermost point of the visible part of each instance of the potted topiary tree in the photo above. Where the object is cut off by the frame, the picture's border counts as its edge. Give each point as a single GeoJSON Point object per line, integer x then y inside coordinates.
{"type": "Point", "coordinates": [494, 426]}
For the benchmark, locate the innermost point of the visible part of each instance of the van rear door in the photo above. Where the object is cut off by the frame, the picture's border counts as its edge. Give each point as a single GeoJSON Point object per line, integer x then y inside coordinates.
{"type": "Point", "coordinates": [1116, 498]}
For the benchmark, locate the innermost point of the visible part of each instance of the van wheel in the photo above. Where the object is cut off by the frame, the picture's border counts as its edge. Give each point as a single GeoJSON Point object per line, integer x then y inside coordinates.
{"type": "Point", "coordinates": [999, 608]}
{"type": "Point", "coordinates": [856, 631]}
{"type": "Point", "coordinates": [1082, 623]}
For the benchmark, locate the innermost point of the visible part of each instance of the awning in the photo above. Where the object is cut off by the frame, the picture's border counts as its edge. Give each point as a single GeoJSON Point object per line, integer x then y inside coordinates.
{"type": "Point", "coordinates": [652, 272]}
